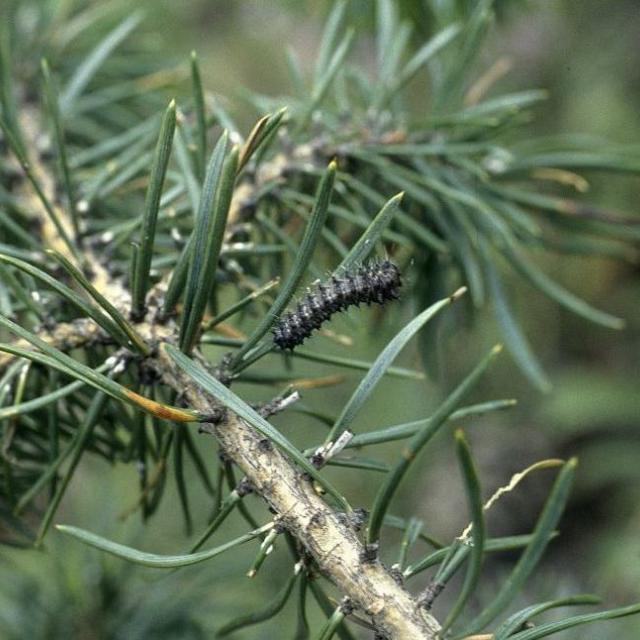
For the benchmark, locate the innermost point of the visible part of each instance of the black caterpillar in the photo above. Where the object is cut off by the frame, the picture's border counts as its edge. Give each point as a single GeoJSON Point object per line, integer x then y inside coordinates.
{"type": "Point", "coordinates": [376, 282]}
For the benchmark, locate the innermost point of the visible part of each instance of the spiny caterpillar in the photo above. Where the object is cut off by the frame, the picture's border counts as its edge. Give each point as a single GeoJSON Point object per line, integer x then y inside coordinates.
{"type": "Point", "coordinates": [376, 282]}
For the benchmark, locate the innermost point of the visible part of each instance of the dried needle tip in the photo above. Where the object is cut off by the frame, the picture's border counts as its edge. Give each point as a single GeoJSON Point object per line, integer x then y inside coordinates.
{"type": "Point", "coordinates": [458, 293]}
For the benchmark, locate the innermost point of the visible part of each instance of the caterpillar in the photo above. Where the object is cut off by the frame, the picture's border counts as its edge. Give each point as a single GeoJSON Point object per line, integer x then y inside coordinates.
{"type": "Point", "coordinates": [377, 282]}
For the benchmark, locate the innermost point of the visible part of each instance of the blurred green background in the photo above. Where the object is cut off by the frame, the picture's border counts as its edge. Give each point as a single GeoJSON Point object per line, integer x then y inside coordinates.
{"type": "Point", "coordinates": [585, 53]}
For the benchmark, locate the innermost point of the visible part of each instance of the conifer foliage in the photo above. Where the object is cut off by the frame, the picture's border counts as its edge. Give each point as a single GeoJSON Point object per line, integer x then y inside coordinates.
{"type": "Point", "coordinates": [150, 249]}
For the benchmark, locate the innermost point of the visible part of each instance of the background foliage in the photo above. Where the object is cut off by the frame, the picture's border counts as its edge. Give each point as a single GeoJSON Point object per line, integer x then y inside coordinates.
{"type": "Point", "coordinates": [592, 410]}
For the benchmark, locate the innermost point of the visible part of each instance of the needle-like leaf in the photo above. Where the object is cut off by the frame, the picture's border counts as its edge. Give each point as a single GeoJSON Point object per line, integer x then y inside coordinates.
{"type": "Point", "coordinates": [383, 361]}
{"type": "Point", "coordinates": [307, 246]}
{"type": "Point", "coordinates": [550, 628]}
{"type": "Point", "coordinates": [54, 358]}
{"type": "Point", "coordinates": [229, 399]}
{"type": "Point", "coordinates": [542, 534]}
{"type": "Point", "coordinates": [515, 622]}
{"type": "Point", "coordinates": [417, 443]}
{"type": "Point", "coordinates": [71, 296]}
{"type": "Point", "coordinates": [272, 609]}
{"type": "Point", "coordinates": [92, 63]}
{"type": "Point", "coordinates": [154, 560]}
{"type": "Point", "coordinates": [201, 116]}
{"type": "Point", "coordinates": [84, 433]}
{"type": "Point", "coordinates": [207, 242]}
{"type": "Point", "coordinates": [478, 533]}
{"type": "Point", "coordinates": [53, 214]}
{"type": "Point", "coordinates": [150, 215]}
{"type": "Point", "coordinates": [53, 106]}
{"type": "Point", "coordinates": [102, 301]}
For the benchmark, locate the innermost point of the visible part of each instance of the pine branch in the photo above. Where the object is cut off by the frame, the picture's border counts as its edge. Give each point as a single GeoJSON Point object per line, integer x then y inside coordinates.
{"type": "Point", "coordinates": [327, 534]}
{"type": "Point", "coordinates": [467, 200]}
